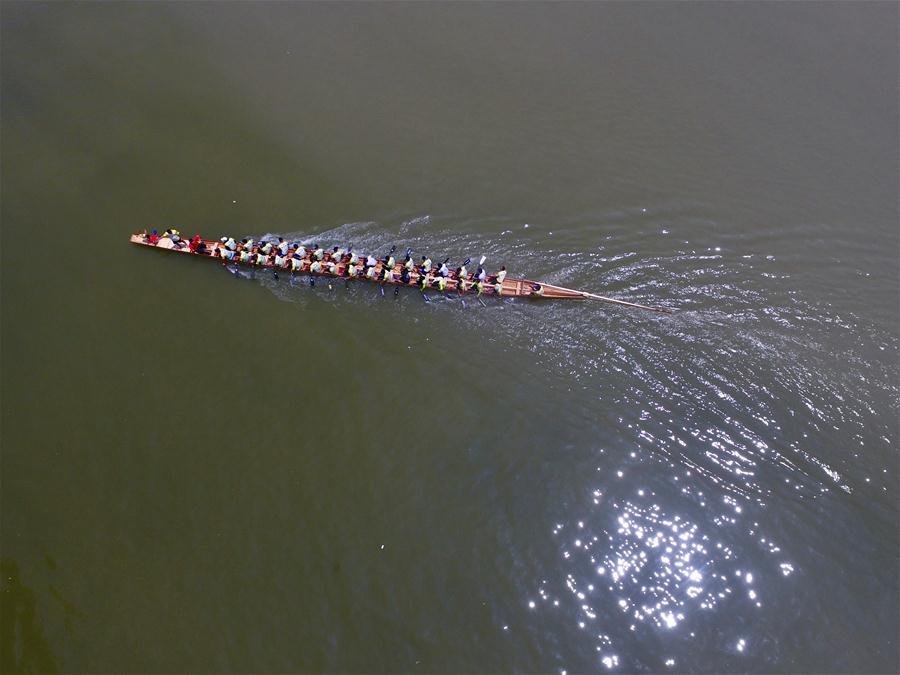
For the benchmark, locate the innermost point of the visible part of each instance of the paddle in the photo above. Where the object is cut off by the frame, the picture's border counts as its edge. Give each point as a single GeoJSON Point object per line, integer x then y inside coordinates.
{"type": "Point", "coordinates": [424, 294]}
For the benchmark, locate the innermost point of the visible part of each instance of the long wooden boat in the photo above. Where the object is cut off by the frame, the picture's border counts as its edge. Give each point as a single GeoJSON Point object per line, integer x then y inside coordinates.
{"type": "Point", "coordinates": [510, 288]}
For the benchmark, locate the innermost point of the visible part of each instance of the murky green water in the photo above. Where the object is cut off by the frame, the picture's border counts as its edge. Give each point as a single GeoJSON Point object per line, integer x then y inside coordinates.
{"type": "Point", "coordinates": [212, 474]}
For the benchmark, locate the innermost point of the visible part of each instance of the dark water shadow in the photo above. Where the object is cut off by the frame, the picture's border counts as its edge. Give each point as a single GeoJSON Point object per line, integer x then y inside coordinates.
{"type": "Point", "coordinates": [23, 646]}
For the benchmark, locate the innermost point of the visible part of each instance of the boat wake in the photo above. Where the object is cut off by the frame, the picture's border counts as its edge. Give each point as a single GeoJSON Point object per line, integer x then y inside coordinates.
{"type": "Point", "coordinates": [694, 426]}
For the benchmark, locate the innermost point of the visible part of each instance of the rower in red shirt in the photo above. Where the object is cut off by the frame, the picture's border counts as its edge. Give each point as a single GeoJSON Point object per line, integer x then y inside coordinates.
{"type": "Point", "coordinates": [195, 243]}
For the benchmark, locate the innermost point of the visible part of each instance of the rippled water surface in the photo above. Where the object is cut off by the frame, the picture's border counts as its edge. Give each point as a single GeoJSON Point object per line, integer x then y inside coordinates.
{"type": "Point", "coordinates": [214, 472]}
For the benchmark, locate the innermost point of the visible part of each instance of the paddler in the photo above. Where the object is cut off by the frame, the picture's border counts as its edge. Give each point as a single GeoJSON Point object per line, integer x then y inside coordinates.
{"type": "Point", "coordinates": [498, 288]}
{"type": "Point", "coordinates": [537, 290]}
{"type": "Point", "coordinates": [440, 283]}
{"type": "Point", "coordinates": [461, 284]}
{"type": "Point", "coordinates": [444, 270]}
{"type": "Point", "coordinates": [316, 267]}
{"type": "Point", "coordinates": [480, 286]}
{"type": "Point", "coordinates": [426, 264]}
{"type": "Point", "coordinates": [408, 263]}
{"type": "Point", "coordinates": [389, 261]}
{"type": "Point", "coordinates": [353, 257]}
{"type": "Point", "coordinates": [224, 252]}
{"type": "Point", "coordinates": [351, 270]}
{"type": "Point", "coordinates": [195, 243]}
{"type": "Point", "coordinates": [282, 247]}
{"type": "Point", "coordinates": [370, 261]}
{"type": "Point", "coordinates": [481, 275]}
{"type": "Point", "coordinates": [318, 252]}
{"type": "Point", "coordinates": [501, 275]}
{"type": "Point", "coordinates": [154, 237]}
{"type": "Point", "coordinates": [370, 272]}
{"type": "Point", "coordinates": [296, 263]}
{"type": "Point", "coordinates": [230, 244]}
{"type": "Point", "coordinates": [261, 258]}
{"type": "Point", "coordinates": [424, 280]}
{"type": "Point", "coordinates": [404, 275]}
{"type": "Point", "coordinates": [266, 247]}
{"type": "Point", "coordinates": [462, 272]}
{"type": "Point", "coordinates": [337, 254]}
{"type": "Point", "coordinates": [332, 268]}
{"type": "Point", "coordinates": [280, 258]}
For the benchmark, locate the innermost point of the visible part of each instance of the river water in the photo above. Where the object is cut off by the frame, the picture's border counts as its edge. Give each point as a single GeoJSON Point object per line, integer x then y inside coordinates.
{"type": "Point", "coordinates": [207, 473]}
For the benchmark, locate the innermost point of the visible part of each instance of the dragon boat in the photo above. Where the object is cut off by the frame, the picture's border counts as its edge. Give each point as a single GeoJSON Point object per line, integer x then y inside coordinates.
{"type": "Point", "coordinates": [509, 288]}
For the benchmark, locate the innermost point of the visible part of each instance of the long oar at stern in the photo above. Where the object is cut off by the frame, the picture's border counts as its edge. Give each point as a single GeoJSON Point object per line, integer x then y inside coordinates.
{"type": "Point", "coordinates": [594, 296]}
